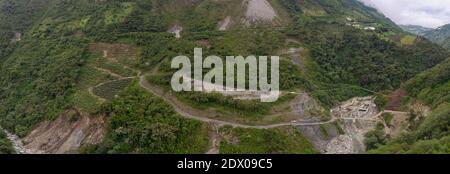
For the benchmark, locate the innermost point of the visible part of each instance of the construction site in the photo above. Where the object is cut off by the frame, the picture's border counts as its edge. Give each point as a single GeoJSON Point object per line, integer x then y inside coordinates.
{"type": "Point", "coordinates": [359, 108]}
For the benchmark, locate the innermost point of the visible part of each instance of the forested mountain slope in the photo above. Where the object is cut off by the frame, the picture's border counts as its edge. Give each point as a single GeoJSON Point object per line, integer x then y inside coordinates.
{"type": "Point", "coordinates": [440, 35]}
{"type": "Point", "coordinates": [92, 56]}
{"type": "Point", "coordinates": [431, 134]}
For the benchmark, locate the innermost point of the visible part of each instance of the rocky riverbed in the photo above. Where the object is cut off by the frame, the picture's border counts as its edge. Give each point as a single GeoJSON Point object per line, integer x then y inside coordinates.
{"type": "Point", "coordinates": [17, 143]}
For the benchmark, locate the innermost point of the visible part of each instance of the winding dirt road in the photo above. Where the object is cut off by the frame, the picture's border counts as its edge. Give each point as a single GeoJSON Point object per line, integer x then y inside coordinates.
{"type": "Point", "coordinates": [190, 113]}
{"type": "Point", "coordinates": [187, 114]}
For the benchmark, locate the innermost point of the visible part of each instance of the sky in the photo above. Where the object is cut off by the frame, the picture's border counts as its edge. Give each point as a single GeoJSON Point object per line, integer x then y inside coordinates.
{"type": "Point", "coordinates": [427, 13]}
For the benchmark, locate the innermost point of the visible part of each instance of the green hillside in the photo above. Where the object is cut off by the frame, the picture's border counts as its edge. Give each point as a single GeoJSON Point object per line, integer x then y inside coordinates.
{"type": "Point", "coordinates": [91, 55]}
{"type": "Point", "coordinates": [432, 134]}
{"type": "Point", "coordinates": [446, 43]}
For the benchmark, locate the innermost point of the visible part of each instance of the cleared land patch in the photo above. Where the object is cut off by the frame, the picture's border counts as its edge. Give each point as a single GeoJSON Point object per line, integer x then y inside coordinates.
{"type": "Point", "coordinates": [116, 53]}
{"type": "Point", "coordinates": [408, 40]}
{"type": "Point", "coordinates": [260, 10]}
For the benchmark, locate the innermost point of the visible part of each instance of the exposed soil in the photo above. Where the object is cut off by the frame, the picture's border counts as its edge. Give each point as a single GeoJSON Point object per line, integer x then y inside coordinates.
{"type": "Point", "coordinates": [352, 141]}
{"type": "Point", "coordinates": [235, 93]}
{"type": "Point", "coordinates": [395, 99]}
{"type": "Point", "coordinates": [419, 108]}
{"type": "Point", "coordinates": [316, 136]}
{"type": "Point", "coordinates": [328, 139]}
{"type": "Point", "coordinates": [215, 139]}
{"type": "Point", "coordinates": [396, 38]}
{"type": "Point", "coordinates": [303, 104]}
{"type": "Point", "coordinates": [17, 37]}
{"type": "Point", "coordinates": [176, 30]}
{"type": "Point", "coordinates": [397, 125]}
{"type": "Point", "coordinates": [66, 134]}
{"type": "Point", "coordinates": [225, 23]}
{"type": "Point", "coordinates": [259, 10]}
{"type": "Point", "coordinates": [361, 108]}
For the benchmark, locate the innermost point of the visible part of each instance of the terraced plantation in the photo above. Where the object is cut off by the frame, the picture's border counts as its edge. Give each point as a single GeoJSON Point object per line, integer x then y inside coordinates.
{"type": "Point", "coordinates": [111, 90]}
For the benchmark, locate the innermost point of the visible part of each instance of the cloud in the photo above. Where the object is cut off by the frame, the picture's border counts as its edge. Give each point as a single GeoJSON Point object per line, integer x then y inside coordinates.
{"type": "Point", "coordinates": [428, 13]}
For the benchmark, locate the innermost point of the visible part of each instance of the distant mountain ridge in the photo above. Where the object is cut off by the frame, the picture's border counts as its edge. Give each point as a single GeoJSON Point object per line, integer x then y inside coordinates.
{"type": "Point", "coordinates": [439, 36]}
{"type": "Point", "coordinates": [416, 29]}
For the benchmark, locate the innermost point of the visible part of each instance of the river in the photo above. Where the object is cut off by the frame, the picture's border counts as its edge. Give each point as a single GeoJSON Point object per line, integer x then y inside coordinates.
{"type": "Point", "coordinates": [17, 143]}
